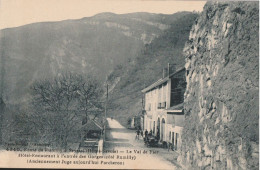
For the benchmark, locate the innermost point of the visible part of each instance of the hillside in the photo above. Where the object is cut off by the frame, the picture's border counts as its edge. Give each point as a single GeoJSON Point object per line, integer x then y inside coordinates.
{"type": "Point", "coordinates": [92, 45]}
{"type": "Point", "coordinates": [127, 81]}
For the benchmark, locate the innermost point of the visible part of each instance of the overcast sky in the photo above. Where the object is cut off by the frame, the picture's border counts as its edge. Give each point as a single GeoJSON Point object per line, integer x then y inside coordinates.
{"type": "Point", "coordinates": [15, 13]}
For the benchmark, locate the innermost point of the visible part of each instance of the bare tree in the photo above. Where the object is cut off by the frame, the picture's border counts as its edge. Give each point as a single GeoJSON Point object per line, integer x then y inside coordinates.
{"type": "Point", "coordinates": [2, 106]}
{"type": "Point", "coordinates": [62, 103]}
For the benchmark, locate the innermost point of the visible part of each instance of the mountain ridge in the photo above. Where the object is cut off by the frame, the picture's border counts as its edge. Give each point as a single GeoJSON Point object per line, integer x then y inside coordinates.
{"type": "Point", "coordinates": [86, 46]}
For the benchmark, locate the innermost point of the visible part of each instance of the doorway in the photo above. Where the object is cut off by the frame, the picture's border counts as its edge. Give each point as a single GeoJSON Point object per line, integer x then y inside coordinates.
{"type": "Point", "coordinates": [163, 129]}
{"type": "Point", "coordinates": [158, 129]}
{"type": "Point", "coordinates": [176, 141]}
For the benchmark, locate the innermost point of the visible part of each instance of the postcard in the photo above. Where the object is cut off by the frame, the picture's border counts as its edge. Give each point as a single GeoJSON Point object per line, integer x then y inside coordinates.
{"type": "Point", "coordinates": [130, 84]}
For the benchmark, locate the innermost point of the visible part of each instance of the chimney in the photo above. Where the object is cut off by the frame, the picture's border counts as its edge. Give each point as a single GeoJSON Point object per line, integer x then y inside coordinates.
{"type": "Point", "coordinates": [171, 68]}
{"type": "Point", "coordinates": [168, 69]}
{"type": "Point", "coordinates": [163, 72]}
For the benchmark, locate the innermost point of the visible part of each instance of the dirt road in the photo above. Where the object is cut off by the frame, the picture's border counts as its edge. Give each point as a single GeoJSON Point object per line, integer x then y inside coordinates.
{"type": "Point", "coordinates": [136, 154]}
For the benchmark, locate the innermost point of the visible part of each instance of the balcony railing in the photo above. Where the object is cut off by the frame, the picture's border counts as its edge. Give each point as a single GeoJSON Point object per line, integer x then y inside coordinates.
{"type": "Point", "coordinates": [161, 105]}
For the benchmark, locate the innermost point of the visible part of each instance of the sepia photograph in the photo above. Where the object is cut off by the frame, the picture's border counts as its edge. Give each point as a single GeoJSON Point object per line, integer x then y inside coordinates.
{"type": "Point", "coordinates": [129, 84]}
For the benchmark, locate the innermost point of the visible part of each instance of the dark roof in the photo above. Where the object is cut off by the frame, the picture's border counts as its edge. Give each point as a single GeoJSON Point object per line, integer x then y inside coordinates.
{"type": "Point", "coordinates": [99, 118]}
{"type": "Point", "coordinates": [157, 83]}
{"type": "Point", "coordinates": [92, 125]}
{"type": "Point", "coordinates": [162, 80]}
{"type": "Point", "coordinates": [94, 122]}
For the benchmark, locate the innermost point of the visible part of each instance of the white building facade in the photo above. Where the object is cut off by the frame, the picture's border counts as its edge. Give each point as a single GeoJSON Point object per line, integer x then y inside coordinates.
{"type": "Point", "coordinates": [163, 112]}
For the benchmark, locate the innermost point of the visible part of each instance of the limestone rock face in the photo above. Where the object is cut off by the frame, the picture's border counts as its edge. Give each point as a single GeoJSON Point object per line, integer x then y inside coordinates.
{"type": "Point", "coordinates": [221, 99]}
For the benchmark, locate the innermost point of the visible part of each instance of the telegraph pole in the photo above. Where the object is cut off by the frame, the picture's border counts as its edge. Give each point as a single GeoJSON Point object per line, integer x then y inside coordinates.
{"type": "Point", "coordinates": [106, 112]}
{"type": "Point", "coordinates": [106, 103]}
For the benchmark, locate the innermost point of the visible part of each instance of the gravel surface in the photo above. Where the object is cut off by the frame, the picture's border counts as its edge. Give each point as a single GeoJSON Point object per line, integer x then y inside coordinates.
{"type": "Point", "coordinates": [120, 139]}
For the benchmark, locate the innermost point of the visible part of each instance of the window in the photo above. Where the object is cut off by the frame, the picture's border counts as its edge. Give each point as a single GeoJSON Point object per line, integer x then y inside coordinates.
{"type": "Point", "coordinates": [149, 107]}
{"type": "Point", "coordinates": [163, 105]}
{"type": "Point", "coordinates": [159, 105]}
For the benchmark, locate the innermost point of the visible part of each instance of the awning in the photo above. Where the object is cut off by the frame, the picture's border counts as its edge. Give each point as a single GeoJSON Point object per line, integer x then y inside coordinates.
{"type": "Point", "coordinates": [177, 108]}
{"type": "Point", "coordinates": [176, 120]}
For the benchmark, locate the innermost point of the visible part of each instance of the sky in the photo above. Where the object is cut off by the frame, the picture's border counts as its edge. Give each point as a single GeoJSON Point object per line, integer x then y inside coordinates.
{"type": "Point", "coordinates": [15, 13]}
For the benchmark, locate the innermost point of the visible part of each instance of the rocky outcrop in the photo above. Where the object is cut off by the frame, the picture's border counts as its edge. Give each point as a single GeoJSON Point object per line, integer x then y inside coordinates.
{"type": "Point", "coordinates": [221, 99]}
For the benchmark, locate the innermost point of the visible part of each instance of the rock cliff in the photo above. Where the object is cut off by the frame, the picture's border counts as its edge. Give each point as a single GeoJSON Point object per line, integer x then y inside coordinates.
{"type": "Point", "coordinates": [221, 100]}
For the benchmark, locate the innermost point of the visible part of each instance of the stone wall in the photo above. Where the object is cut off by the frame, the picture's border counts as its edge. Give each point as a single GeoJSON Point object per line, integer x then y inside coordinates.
{"type": "Point", "coordinates": [221, 99]}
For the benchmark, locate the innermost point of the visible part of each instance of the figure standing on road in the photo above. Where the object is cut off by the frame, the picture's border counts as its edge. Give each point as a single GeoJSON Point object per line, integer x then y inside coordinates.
{"type": "Point", "coordinates": [169, 145]}
{"type": "Point", "coordinates": [145, 135]}
{"type": "Point", "coordinates": [137, 134]}
{"type": "Point", "coordinates": [142, 134]}
{"type": "Point", "coordinates": [150, 133]}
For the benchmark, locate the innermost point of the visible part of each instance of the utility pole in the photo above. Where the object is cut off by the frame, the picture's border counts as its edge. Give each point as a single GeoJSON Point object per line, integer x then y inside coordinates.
{"type": "Point", "coordinates": [105, 112]}
{"type": "Point", "coordinates": [142, 113]}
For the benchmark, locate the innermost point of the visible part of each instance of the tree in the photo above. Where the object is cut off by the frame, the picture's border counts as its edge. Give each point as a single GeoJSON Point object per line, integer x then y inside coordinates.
{"type": "Point", "coordinates": [2, 107]}
{"type": "Point", "coordinates": [62, 103]}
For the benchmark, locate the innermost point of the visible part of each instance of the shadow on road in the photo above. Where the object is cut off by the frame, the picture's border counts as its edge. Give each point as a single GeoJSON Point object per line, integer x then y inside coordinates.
{"type": "Point", "coordinates": [116, 140]}
{"type": "Point", "coordinates": [111, 142]}
{"type": "Point", "coordinates": [112, 145]}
